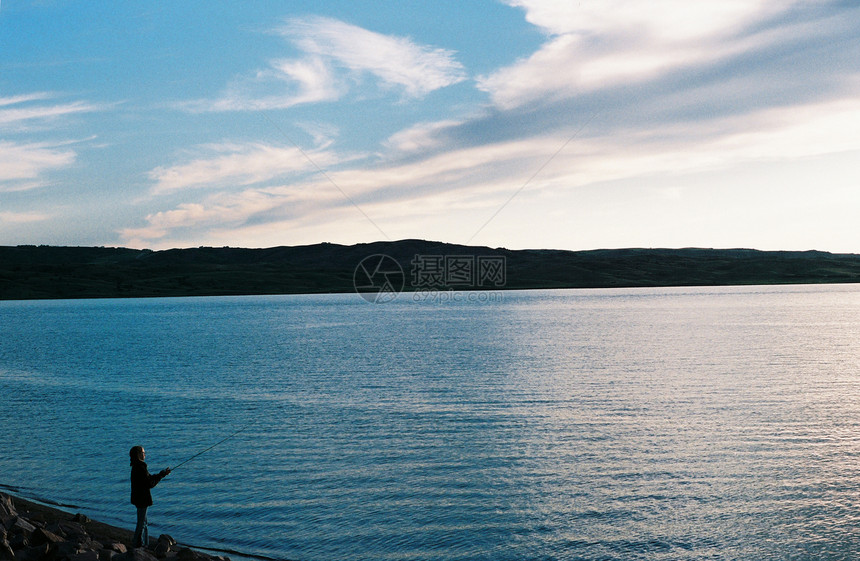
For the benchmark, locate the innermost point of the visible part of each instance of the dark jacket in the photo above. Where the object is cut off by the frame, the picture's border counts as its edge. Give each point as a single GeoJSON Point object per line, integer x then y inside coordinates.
{"type": "Point", "coordinates": [141, 482]}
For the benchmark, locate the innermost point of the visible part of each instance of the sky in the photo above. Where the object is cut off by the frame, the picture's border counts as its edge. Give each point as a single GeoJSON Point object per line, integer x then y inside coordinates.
{"type": "Point", "coordinates": [508, 123]}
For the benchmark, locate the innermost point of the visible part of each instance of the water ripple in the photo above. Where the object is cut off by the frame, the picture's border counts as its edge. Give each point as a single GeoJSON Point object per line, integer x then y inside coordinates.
{"type": "Point", "coordinates": [556, 425]}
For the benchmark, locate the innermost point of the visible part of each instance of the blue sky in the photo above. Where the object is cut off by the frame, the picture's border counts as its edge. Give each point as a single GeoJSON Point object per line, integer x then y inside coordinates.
{"type": "Point", "coordinates": [515, 123]}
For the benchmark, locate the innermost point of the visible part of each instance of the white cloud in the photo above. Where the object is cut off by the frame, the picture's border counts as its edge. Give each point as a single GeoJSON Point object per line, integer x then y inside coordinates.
{"type": "Point", "coordinates": [237, 164]}
{"type": "Point", "coordinates": [286, 83]}
{"type": "Point", "coordinates": [453, 192]}
{"type": "Point", "coordinates": [662, 20]}
{"type": "Point", "coordinates": [484, 176]}
{"type": "Point", "coordinates": [336, 54]}
{"type": "Point", "coordinates": [313, 76]}
{"type": "Point", "coordinates": [796, 132]}
{"type": "Point", "coordinates": [396, 61]}
{"type": "Point", "coordinates": [219, 210]}
{"type": "Point", "coordinates": [689, 92]}
{"type": "Point", "coordinates": [22, 217]}
{"type": "Point", "coordinates": [17, 115]}
{"type": "Point", "coordinates": [423, 136]}
{"type": "Point", "coordinates": [23, 109]}
{"type": "Point", "coordinates": [322, 134]}
{"type": "Point", "coordinates": [599, 43]}
{"type": "Point", "coordinates": [13, 100]}
{"type": "Point", "coordinates": [322, 200]}
{"type": "Point", "coordinates": [22, 166]}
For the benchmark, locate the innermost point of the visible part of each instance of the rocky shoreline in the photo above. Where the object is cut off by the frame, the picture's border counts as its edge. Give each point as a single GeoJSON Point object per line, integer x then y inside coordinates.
{"type": "Point", "coordinates": [33, 532]}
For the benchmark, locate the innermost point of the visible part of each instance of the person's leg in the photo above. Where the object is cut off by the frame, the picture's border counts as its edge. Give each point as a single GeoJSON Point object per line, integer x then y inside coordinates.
{"type": "Point", "coordinates": [145, 536]}
{"type": "Point", "coordinates": [141, 531]}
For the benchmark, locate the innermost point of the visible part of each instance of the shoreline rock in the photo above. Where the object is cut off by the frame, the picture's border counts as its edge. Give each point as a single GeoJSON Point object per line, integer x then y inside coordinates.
{"type": "Point", "coordinates": [33, 532]}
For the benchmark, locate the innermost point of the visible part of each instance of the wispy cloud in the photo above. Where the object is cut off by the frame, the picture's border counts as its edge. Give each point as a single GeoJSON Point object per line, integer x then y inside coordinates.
{"type": "Point", "coordinates": [378, 190]}
{"type": "Point", "coordinates": [13, 100]}
{"type": "Point", "coordinates": [473, 182]}
{"type": "Point", "coordinates": [667, 89]}
{"type": "Point", "coordinates": [422, 137]}
{"type": "Point", "coordinates": [335, 55]}
{"type": "Point", "coordinates": [395, 61]}
{"type": "Point", "coordinates": [731, 66]}
{"type": "Point", "coordinates": [593, 45]}
{"type": "Point", "coordinates": [284, 84]}
{"type": "Point", "coordinates": [22, 217]}
{"type": "Point", "coordinates": [660, 20]}
{"type": "Point", "coordinates": [216, 211]}
{"type": "Point", "coordinates": [23, 165]}
{"type": "Point", "coordinates": [220, 165]}
{"type": "Point", "coordinates": [23, 110]}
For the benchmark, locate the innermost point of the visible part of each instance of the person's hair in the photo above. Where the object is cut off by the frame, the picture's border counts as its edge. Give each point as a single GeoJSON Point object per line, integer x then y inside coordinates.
{"type": "Point", "coordinates": [134, 454]}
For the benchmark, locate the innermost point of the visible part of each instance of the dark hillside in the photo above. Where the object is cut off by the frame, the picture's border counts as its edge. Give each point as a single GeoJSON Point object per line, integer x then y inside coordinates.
{"type": "Point", "coordinates": [32, 272]}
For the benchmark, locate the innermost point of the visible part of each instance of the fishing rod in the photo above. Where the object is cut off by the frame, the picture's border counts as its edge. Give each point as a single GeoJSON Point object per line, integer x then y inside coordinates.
{"type": "Point", "coordinates": [211, 447]}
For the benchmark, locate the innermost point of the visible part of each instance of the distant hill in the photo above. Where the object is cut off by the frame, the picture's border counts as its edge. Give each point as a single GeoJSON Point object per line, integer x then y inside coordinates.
{"type": "Point", "coordinates": [36, 272]}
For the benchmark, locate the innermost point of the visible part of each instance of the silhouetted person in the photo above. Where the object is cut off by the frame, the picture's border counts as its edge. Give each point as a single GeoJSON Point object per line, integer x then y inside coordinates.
{"type": "Point", "coordinates": [141, 482]}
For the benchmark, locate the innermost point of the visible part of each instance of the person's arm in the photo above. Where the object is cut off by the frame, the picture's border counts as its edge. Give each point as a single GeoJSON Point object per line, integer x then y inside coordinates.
{"type": "Point", "coordinates": [154, 479]}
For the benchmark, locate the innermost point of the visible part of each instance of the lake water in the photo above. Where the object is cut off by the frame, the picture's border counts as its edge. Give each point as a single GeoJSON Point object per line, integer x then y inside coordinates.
{"type": "Point", "coordinates": [683, 423]}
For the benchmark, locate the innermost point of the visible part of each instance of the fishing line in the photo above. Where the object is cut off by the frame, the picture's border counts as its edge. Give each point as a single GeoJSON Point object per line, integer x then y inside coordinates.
{"type": "Point", "coordinates": [211, 447]}
{"type": "Point", "coordinates": [323, 173]}
{"type": "Point", "coordinates": [535, 174]}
